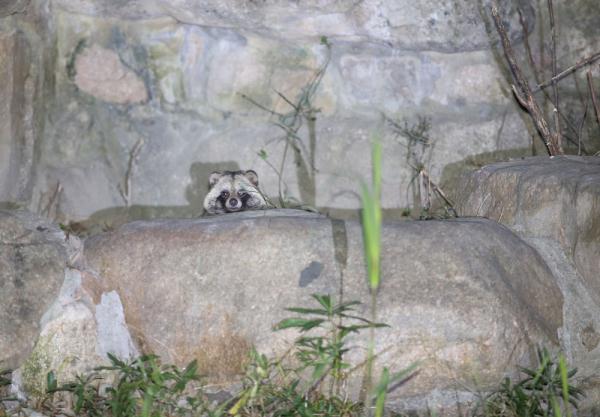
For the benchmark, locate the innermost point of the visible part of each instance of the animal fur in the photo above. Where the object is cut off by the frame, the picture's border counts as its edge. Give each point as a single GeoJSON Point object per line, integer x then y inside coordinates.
{"type": "Point", "coordinates": [232, 191]}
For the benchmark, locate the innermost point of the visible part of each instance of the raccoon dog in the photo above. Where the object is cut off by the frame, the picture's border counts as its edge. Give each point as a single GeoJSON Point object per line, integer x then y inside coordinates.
{"type": "Point", "coordinates": [232, 191]}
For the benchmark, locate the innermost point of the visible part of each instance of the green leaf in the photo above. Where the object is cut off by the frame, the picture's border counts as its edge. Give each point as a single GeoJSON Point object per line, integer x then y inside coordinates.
{"type": "Point", "coordinates": [301, 310]}
{"type": "Point", "coordinates": [564, 379]}
{"type": "Point", "coordinates": [51, 382]}
{"type": "Point", "coordinates": [147, 404]}
{"type": "Point", "coordinates": [371, 236]}
{"type": "Point", "coordinates": [324, 300]}
{"type": "Point", "coordinates": [303, 324]}
{"type": "Point", "coordinates": [341, 308]}
{"type": "Point", "coordinates": [240, 403]}
{"type": "Point", "coordinates": [380, 392]}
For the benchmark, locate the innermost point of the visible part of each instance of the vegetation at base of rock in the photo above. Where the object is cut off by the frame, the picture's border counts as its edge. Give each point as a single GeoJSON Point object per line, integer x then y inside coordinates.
{"type": "Point", "coordinates": [544, 391]}
{"type": "Point", "coordinates": [144, 387]}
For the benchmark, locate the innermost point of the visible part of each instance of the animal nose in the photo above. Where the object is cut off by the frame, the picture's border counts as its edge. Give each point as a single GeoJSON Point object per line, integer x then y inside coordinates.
{"type": "Point", "coordinates": [233, 202]}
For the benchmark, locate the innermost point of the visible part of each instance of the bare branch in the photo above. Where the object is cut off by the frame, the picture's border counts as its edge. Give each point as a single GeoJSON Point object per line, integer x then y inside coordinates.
{"type": "Point", "coordinates": [523, 91]}
{"type": "Point", "coordinates": [260, 106]}
{"type": "Point", "coordinates": [582, 63]}
{"type": "Point", "coordinates": [53, 202]}
{"type": "Point", "coordinates": [532, 64]}
{"type": "Point", "coordinates": [554, 72]}
{"type": "Point", "coordinates": [125, 191]}
{"type": "Point", "coordinates": [581, 125]}
{"type": "Point", "coordinates": [593, 95]}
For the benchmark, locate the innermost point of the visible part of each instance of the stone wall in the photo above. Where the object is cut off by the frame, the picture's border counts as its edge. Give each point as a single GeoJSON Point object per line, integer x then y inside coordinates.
{"type": "Point", "coordinates": [170, 77]}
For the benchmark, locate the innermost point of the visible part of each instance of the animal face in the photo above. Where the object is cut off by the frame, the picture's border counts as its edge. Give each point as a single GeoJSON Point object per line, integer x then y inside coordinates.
{"type": "Point", "coordinates": [232, 191]}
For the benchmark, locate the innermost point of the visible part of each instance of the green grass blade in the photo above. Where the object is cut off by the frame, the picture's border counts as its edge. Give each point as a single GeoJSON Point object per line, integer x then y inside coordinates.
{"type": "Point", "coordinates": [381, 391]}
{"type": "Point", "coordinates": [564, 379]}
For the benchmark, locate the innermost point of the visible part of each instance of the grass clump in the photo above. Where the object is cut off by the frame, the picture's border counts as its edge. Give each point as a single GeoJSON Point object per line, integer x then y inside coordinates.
{"type": "Point", "coordinates": [545, 391]}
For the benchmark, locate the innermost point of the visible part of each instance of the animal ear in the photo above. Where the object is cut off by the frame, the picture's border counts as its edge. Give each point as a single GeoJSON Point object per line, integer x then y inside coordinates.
{"type": "Point", "coordinates": [214, 177]}
{"type": "Point", "coordinates": [252, 177]}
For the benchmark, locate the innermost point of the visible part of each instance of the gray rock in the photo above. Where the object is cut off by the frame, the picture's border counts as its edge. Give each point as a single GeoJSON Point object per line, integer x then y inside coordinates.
{"type": "Point", "coordinates": [75, 336]}
{"type": "Point", "coordinates": [436, 25]}
{"type": "Point", "coordinates": [556, 198]}
{"type": "Point", "coordinates": [9, 7]}
{"type": "Point", "coordinates": [113, 334]}
{"type": "Point", "coordinates": [33, 257]}
{"type": "Point", "coordinates": [99, 72]}
{"type": "Point", "coordinates": [466, 297]}
{"type": "Point", "coordinates": [554, 204]}
{"type": "Point", "coordinates": [16, 90]}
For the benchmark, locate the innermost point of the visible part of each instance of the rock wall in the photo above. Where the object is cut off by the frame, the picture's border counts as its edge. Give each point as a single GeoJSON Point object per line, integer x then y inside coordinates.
{"type": "Point", "coordinates": [26, 63]}
{"type": "Point", "coordinates": [168, 80]}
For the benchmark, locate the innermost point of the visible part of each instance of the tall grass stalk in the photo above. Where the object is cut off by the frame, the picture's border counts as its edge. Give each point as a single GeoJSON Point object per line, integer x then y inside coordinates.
{"type": "Point", "coordinates": [371, 224]}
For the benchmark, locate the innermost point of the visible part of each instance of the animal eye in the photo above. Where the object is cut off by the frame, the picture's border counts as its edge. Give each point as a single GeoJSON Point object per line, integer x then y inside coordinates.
{"type": "Point", "coordinates": [243, 194]}
{"type": "Point", "coordinates": [224, 194]}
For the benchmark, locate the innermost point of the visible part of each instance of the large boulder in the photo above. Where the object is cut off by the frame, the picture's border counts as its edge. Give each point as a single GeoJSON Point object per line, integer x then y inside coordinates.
{"type": "Point", "coordinates": [556, 198]}
{"type": "Point", "coordinates": [53, 316]}
{"type": "Point", "coordinates": [553, 204]}
{"type": "Point", "coordinates": [466, 297]}
{"type": "Point", "coordinates": [78, 330]}
{"type": "Point", "coordinates": [33, 257]}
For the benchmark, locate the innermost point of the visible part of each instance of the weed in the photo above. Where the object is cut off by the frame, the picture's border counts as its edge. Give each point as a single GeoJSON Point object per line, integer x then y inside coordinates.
{"type": "Point", "coordinates": [419, 152]}
{"type": "Point", "coordinates": [144, 388]}
{"type": "Point", "coordinates": [545, 391]}
{"type": "Point", "coordinates": [302, 113]}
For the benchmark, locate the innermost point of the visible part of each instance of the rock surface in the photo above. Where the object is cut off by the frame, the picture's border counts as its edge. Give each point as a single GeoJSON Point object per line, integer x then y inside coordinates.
{"type": "Point", "coordinates": [173, 74]}
{"type": "Point", "coordinates": [436, 25]}
{"type": "Point", "coordinates": [32, 264]}
{"type": "Point", "coordinates": [554, 204]}
{"type": "Point", "coordinates": [87, 80]}
{"type": "Point", "coordinates": [556, 198]}
{"type": "Point", "coordinates": [76, 335]}
{"type": "Point", "coordinates": [53, 316]}
{"type": "Point", "coordinates": [100, 72]}
{"type": "Point", "coordinates": [467, 297]}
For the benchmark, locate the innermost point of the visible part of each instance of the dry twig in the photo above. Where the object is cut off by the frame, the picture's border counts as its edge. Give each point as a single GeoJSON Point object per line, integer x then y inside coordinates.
{"type": "Point", "coordinates": [125, 190]}
{"type": "Point", "coordinates": [53, 202]}
{"type": "Point", "coordinates": [554, 72]}
{"type": "Point", "coordinates": [593, 95]}
{"type": "Point", "coordinates": [523, 92]}
{"type": "Point", "coordinates": [582, 63]}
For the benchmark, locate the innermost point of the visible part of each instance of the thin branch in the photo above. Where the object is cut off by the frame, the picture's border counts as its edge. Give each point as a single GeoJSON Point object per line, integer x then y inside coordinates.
{"type": "Point", "coordinates": [536, 72]}
{"type": "Point", "coordinates": [133, 154]}
{"type": "Point", "coordinates": [260, 106]}
{"type": "Point", "coordinates": [523, 91]}
{"type": "Point", "coordinates": [581, 125]}
{"type": "Point", "coordinates": [582, 63]}
{"type": "Point", "coordinates": [554, 72]}
{"type": "Point", "coordinates": [532, 64]}
{"type": "Point", "coordinates": [593, 95]}
{"type": "Point", "coordinates": [287, 100]}
{"type": "Point", "coordinates": [53, 201]}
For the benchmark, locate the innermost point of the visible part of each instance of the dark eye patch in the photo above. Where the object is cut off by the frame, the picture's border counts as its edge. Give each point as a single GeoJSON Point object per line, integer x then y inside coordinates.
{"type": "Point", "coordinates": [224, 194]}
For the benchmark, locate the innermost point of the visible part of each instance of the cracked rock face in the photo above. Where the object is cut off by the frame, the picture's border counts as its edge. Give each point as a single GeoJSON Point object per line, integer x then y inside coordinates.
{"type": "Point", "coordinates": [466, 297]}
{"type": "Point", "coordinates": [32, 267]}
